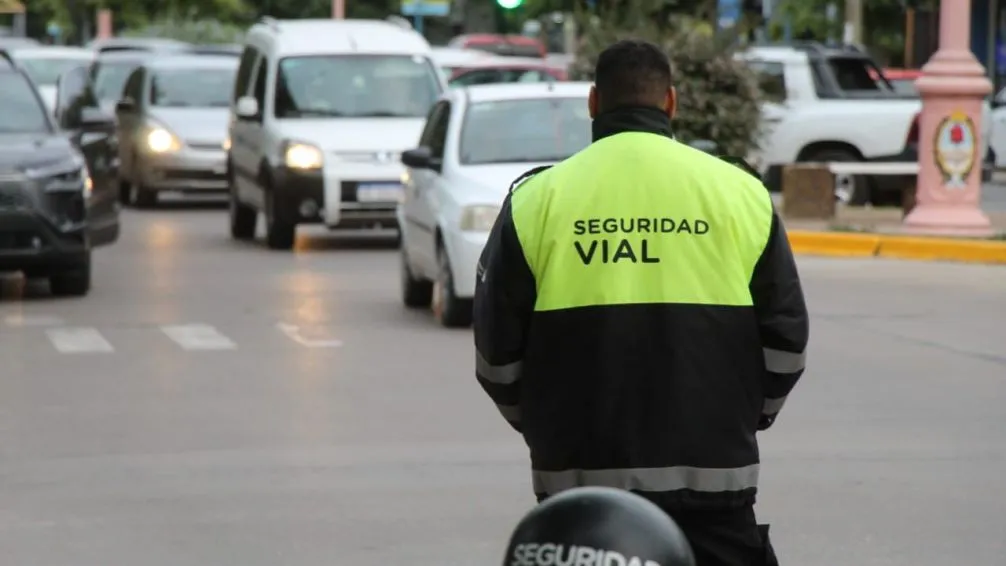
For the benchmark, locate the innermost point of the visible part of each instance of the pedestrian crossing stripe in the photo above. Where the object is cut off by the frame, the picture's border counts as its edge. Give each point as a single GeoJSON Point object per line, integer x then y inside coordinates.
{"type": "Point", "coordinates": [195, 337]}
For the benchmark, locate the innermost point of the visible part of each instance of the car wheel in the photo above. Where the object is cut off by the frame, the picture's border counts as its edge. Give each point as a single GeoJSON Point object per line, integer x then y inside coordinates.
{"type": "Point", "coordinates": [125, 193]}
{"type": "Point", "coordinates": [450, 310]}
{"type": "Point", "coordinates": [144, 198]}
{"type": "Point", "coordinates": [416, 293]}
{"type": "Point", "coordinates": [279, 235]}
{"type": "Point", "coordinates": [243, 219]}
{"type": "Point", "coordinates": [853, 190]}
{"type": "Point", "coordinates": [73, 283]}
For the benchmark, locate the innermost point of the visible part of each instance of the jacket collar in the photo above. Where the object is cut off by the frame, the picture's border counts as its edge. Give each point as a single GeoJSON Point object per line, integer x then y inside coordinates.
{"type": "Point", "coordinates": [631, 119]}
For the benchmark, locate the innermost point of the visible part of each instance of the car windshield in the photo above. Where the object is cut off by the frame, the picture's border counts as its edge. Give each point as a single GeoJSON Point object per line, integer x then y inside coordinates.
{"type": "Point", "coordinates": [196, 88]}
{"type": "Point", "coordinates": [110, 78]}
{"type": "Point", "coordinates": [45, 70]}
{"type": "Point", "coordinates": [524, 131]}
{"type": "Point", "coordinates": [355, 86]}
{"type": "Point", "coordinates": [21, 111]}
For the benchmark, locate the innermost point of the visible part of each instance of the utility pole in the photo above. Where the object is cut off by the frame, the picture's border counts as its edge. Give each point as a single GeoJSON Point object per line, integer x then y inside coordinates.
{"type": "Point", "coordinates": [338, 9]}
{"type": "Point", "coordinates": [853, 22]}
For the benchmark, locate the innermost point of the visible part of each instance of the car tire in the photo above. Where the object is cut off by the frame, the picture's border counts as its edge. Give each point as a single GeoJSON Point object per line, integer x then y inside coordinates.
{"type": "Point", "coordinates": [125, 193]}
{"type": "Point", "coordinates": [860, 192]}
{"type": "Point", "coordinates": [449, 310]}
{"type": "Point", "coordinates": [72, 283]}
{"type": "Point", "coordinates": [144, 198]}
{"type": "Point", "coordinates": [242, 219]}
{"type": "Point", "coordinates": [278, 235]}
{"type": "Point", "coordinates": [416, 293]}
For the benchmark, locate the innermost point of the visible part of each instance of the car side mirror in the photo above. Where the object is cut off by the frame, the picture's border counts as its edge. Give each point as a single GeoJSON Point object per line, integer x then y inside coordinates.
{"type": "Point", "coordinates": [421, 158]}
{"type": "Point", "coordinates": [246, 108]}
{"type": "Point", "coordinates": [95, 120]}
{"type": "Point", "coordinates": [125, 105]}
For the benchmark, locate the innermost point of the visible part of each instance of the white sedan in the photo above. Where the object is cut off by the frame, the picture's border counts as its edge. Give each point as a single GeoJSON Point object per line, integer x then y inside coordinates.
{"type": "Point", "coordinates": [45, 64]}
{"type": "Point", "coordinates": [476, 142]}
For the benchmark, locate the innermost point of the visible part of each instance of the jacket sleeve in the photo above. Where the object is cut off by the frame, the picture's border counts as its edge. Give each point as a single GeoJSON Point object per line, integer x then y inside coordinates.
{"type": "Point", "coordinates": [505, 295]}
{"type": "Point", "coordinates": [782, 320]}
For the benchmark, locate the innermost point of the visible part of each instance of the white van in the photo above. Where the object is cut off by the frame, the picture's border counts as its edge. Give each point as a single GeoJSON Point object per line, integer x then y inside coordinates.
{"type": "Point", "coordinates": [321, 111]}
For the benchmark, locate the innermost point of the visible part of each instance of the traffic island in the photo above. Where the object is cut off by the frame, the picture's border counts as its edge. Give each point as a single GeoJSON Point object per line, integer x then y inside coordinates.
{"type": "Point", "coordinates": [879, 232]}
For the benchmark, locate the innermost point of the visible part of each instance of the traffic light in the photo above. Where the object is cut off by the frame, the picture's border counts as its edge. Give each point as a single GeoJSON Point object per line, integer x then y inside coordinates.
{"type": "Point", "coordinates": [509, 4]}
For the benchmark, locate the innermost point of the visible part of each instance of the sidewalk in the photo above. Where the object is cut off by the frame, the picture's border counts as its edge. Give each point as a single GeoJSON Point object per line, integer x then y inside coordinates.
{"type": "Point", "coordinates": [879, 232]}
{"type": "Point", "coordinates": [868, 219]}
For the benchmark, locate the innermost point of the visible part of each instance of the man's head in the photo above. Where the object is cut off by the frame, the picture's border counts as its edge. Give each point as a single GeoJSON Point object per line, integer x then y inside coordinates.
{"type": "Point", "coordinates": [632, 73]}
{"type": "Point", "coordinates": [598, 525]}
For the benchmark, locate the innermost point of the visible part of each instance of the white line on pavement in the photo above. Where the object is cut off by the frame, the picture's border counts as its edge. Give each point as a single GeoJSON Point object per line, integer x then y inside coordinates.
{"type": "Point", "coordinates": [292, 332]}
{"type": "Point", "coordinates": [78, 341]}
{"type": "Point", "coordinates": [198, 337]}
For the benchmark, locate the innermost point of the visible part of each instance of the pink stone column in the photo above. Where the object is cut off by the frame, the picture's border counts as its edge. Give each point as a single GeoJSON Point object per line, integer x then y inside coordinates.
{"type": "Point", "coordinates": [953, 86]}
{"type": "Point", "coordinates": [104, 24]}
{"type": "Point", "coordinates": [338, 9]}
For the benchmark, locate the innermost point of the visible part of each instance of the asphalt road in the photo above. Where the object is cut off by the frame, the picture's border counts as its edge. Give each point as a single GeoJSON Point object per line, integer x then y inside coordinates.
{"type": "Point", "coordinates": [212, 403]}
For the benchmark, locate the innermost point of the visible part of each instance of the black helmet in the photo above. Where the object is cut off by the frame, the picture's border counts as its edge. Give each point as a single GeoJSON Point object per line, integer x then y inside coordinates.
{"type": "Point", "coordinates": [599, 526]}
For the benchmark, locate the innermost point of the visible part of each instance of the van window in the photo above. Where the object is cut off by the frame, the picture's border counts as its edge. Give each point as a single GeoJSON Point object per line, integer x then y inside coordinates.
{"type": "Point", "coordinates": [354, 86]}
{"type": "Point", "coordinates": [245, 68]}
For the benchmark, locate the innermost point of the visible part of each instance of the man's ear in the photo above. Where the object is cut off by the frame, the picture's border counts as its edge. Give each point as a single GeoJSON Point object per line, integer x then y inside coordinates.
{"type": "Point", "coordinates": [671, 102]}
{"type": "Point", "coordinates": [592, 102]}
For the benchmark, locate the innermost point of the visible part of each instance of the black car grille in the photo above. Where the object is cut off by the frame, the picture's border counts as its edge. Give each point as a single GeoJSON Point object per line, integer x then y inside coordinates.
{"type": "Point", "coordinates": [12, 196]}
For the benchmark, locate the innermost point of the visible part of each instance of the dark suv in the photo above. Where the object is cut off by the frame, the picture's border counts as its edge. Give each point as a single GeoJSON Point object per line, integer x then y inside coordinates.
{"type": "Point", "coordinates": [53, 210]}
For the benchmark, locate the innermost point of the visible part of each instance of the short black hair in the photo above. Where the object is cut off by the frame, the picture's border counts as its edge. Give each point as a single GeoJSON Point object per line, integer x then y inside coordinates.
{"type": "Point", "coordinates": [632, 73]}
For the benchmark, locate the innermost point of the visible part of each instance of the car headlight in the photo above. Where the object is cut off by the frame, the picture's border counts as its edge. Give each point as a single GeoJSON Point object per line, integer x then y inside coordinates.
{"type": "Point", "coordinates": [227, 143]}
{"type": "Point", "coordinates": [478, 218]}
{"type": "Point", "coordinates": [160, 140]}
{"type": "Point", "coordinates": [302, 156]}
{"type": "Point", "coordinates": [85, 178]}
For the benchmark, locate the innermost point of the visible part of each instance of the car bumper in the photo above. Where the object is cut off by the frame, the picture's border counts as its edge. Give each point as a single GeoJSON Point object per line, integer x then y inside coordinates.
{"type": "Point", "coordinates": [186, 170]}
{"type": "Point", "coordinates": [464, 250]}
{"type": "Point", "coordinates": [339, 197]}
{"type": "Point", "coordinates": [362, 194]}
{"type": "Point", "coordinates": [30, 241]}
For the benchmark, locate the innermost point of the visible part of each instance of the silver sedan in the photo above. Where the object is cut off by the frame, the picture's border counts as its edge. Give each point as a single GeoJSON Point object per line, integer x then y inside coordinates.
{"type": "Point", "coordinates": [172, 126]}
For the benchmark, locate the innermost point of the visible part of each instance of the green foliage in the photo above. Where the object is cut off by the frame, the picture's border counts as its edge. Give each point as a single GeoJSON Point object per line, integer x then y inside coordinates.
{"type": "Point", "coordinates": [883, 23]}
{"type": "Point", "coordinates": [718, 96]}
{"type": "Point", "coordinates": [192, 31]}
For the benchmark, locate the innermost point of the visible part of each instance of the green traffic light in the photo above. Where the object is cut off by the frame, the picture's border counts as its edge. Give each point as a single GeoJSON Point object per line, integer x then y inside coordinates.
{"type": "Point", "coordinates": [509, 4]}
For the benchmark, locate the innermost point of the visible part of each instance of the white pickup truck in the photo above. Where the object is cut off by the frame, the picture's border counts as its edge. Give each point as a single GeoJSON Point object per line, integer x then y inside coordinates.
{"type": "Point", "coordinates": [825, 104]}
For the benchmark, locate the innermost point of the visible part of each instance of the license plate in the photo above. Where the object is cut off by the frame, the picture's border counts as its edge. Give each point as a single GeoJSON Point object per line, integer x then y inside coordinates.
{"type": "Point", "coordinates": [379, 192]}
{"type": "Point", "coordinates": [220, 169]}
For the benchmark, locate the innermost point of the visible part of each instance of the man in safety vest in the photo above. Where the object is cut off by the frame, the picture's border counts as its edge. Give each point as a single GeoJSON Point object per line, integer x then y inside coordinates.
{"type": "Point", "coordinates": [639, 316]}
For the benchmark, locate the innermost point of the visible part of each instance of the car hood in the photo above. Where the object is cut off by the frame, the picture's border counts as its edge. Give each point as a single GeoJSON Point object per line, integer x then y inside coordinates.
{"type": "Point", "coordinates": [485, 184]}
{"type": "Point", "coordinates": [207, 125]}
{"type": "Point", "coordinates": [19, 152]}
{"type": "Point", "coordinates": [356, 134]}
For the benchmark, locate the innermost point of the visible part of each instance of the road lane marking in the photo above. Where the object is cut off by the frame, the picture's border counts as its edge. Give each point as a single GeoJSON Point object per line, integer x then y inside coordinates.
{"type": "Point", "coordinates": [20, 319]}
{"type": "Point", "coordinates": [198, 337]}
{"type": "Point", "coordinates": [293, 332]}
{"type": "Point", "coordinates": [78, 341]}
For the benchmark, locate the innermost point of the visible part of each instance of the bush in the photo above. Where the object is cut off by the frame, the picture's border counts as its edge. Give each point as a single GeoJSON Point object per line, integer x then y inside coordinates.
{"type": "Point", "coordinates": [198, 31]}
{"type": "Point", "coordinates": [718, 96]}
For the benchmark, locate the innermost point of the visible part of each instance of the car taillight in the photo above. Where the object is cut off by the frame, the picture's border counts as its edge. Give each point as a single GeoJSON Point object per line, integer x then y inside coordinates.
{"type": "Point", "coordinates": [913, 131]}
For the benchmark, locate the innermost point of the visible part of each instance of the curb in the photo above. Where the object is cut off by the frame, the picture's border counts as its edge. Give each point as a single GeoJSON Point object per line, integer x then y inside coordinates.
{"type": "Point", "coordinates": [897, 247]}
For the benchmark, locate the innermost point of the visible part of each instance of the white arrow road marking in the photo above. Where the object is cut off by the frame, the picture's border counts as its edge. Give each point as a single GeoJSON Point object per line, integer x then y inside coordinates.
{"type": "Point", "coordinates": [292, 332]}
{"type": "Point", "coordinates": [198, 337]}
{"type": "Point", "coordinates": [78, 341]}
